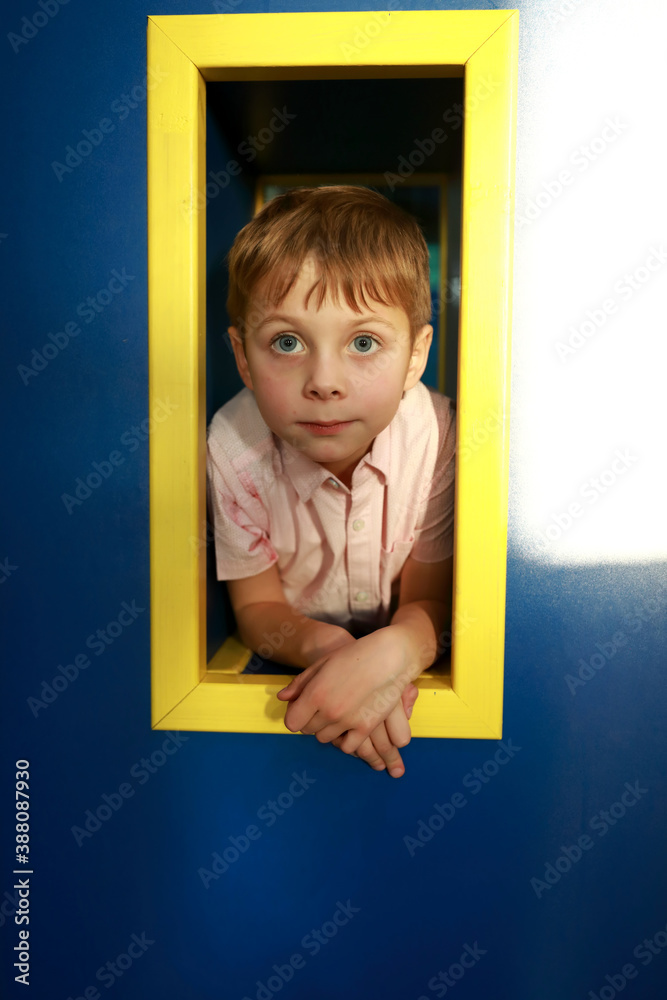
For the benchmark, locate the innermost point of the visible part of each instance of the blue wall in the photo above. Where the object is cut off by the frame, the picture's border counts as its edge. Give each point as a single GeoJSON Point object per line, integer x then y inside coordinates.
{"type": "Point", "coordinates": [314, 842]}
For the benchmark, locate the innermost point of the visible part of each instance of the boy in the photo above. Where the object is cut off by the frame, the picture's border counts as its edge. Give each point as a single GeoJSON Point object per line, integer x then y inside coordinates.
{"type": "Point", "coordinates": [332, 473]}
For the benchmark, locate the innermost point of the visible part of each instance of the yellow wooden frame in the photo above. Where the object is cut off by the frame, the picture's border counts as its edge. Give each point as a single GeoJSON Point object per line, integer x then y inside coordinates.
{"type": "Point", "coordinates": [481, 46]}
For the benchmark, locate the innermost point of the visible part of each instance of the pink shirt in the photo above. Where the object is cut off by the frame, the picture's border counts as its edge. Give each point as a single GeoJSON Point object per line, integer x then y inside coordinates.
{"type": "Point", "coordinates": [339, 551]}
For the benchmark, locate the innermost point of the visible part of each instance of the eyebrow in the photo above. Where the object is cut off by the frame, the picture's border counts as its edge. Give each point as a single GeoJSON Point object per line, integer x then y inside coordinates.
{"type": "Point", "coordinates": [370, 318]}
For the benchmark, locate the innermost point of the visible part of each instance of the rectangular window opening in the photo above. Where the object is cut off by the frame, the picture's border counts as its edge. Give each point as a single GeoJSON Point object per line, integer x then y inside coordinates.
{"type": "Point", "coordinates": [344, 131]}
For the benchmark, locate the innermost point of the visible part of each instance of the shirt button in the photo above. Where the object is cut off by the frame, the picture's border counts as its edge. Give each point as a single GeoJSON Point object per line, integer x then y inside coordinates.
{"type": "Point", "coordinates": [361, 595]}
{"type": "Point", "coordinates": [358, 524]}
{"type": "Point", "coordinates": [334, 483]}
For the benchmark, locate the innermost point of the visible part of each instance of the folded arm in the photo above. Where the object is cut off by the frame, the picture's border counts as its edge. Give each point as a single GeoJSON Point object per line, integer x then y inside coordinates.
{"type": "Point", "coordinates": [270, 626]}
{"type": "Point", "coordinates": [424, 609]}
{"type": "Point", "coordinates": [355, 688]}
{"type": "Point", "coordinates": [266, 620]}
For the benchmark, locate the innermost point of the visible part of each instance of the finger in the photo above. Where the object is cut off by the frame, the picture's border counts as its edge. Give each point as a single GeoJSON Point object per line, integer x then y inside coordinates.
{"type": "Point", "coordinates": [300, 716]}
{"type": "Point", "coordinates": [348, 740]}
{"type": "Point", "coordinates": [296, 685]}
{"type": "Point", "coordinates": [368, 753]}
{"type": "Point", "coordinates": [337, 743]}
{"type": "Point", "coordinates": [409, 697]}
{"type": "Point", "coordinates": [352, 739]}
{"type": "Point", "coordinates": [398, 727]}
{"type": "Point", "coordinates": [387, 751]}
{"type": "Point", "coordinates": [327, 734]}
{"type": "Point", "coordinates": [408, 692]}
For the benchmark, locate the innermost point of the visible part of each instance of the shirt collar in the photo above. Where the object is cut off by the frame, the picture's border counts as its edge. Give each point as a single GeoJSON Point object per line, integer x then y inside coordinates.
{"type": "Point", "coordinates": [307, 476]}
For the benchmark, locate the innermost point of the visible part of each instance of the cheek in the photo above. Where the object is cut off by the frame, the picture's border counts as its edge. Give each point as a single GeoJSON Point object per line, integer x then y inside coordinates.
{"type": "Point", "coordinates": [382, 373]}
{"type": "Point", "coordinates": [381, 390]}
{"type": "Point", "coordinates": [276, 396]}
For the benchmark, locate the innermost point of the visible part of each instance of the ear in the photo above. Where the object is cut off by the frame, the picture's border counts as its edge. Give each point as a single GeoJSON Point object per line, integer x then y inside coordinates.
{"type": "Point", "coordinates": [419, 357]}
{"type": "Point", "coordinates": [239, 355]}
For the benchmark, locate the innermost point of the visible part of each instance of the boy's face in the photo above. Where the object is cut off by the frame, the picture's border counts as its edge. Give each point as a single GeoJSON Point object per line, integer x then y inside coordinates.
{"type": "Point", "coordinates": [308, 367]}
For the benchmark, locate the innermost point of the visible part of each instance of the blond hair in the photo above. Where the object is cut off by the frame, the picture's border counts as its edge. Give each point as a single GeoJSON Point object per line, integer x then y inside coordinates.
{"type": "Point", "coordinates": [363, 245]}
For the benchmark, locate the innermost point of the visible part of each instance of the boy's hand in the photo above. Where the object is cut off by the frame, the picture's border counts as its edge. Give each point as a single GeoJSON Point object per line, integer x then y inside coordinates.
{"type": "Point", "coordinates": [380, 749]}
{"type": "Point", "coordinates": [353, 688]}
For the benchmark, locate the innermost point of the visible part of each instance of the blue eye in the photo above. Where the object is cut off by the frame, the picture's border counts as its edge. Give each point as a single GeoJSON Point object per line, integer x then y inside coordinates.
{"type": "Point", "coordinates": [289, 344]}
{"type": "Point", "coordinates": [364, 343]}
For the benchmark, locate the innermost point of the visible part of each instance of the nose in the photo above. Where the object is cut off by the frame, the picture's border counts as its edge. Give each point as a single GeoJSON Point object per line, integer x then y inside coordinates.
{"type": "Point", "coordinates": [325, 378]}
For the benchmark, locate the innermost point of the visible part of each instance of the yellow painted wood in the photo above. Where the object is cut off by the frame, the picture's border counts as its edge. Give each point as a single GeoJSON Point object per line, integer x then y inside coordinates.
{"type": "Point", "coordinates": [420, 40]}
{"type": "Point", "coordinates": [484, 372]}
{"type": "Point", "coordinates": [481, 46]}
{"type": "Point", "coordinates": [231, 658]}
{"type": "Point", "coordinates": [442, 713]}
{"type": "Point", "coordinates": [176, 321]}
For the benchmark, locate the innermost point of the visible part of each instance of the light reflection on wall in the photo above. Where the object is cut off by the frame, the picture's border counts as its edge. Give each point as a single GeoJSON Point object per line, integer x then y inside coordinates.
{"type": "Point", "coordinates": [589, 460]}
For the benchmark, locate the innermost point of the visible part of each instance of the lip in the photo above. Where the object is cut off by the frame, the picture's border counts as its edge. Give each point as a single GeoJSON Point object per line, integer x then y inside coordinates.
{"type": "Point", "coordinates": [331, 427]}
{"type": "Point", "coordinates": [325, 423]}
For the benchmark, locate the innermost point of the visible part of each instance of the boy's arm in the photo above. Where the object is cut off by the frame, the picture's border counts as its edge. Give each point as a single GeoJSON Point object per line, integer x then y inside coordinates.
{"type": "Point", "coordinates": [365, 683]}
{"type": "Point", "coordinates": [424, 608]}
{"type": "Point", "coordinates": [265, 619]}
{"type": "Point", "coordinates": [425, 595]}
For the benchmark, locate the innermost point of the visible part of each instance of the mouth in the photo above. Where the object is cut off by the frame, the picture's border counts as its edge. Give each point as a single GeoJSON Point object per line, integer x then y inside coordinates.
{"type": "Point", "coordinates": [331, 427]}
{"type": "Point", "coordinates": [322, 423]}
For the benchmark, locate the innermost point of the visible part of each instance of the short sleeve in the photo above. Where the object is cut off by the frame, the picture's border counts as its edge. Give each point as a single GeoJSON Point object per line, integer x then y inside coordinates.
{"type": "Point", "coordinates": [434, 529]}
{"type": "Point", "coordinates": [239, 518]}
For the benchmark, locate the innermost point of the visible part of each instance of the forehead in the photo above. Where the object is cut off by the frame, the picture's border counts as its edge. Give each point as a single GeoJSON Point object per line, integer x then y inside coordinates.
{"type": "Point", "coordinates": [305, 295]}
